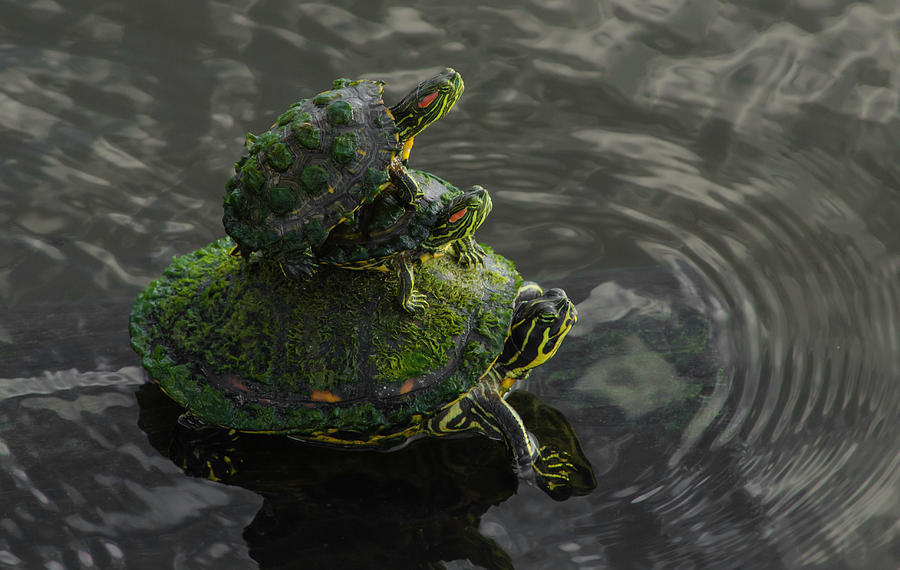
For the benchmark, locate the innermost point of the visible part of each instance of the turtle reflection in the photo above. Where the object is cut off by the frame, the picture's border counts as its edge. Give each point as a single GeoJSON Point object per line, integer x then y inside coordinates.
{"type": "Point", "coordinates": [411, 508]}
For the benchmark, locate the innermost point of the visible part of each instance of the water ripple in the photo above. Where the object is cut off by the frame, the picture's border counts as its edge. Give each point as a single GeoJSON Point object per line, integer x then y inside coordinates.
{"type": "Point", "coordinates": [745, 151]}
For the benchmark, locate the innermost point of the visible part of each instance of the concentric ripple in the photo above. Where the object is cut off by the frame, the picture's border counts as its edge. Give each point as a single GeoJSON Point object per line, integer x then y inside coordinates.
{"type": "Point", "coordinates": [714, 171]}
{"type": "Point", "coordinates": [808, 331]}
{"type": "Point", "coordinates": [765, 188]}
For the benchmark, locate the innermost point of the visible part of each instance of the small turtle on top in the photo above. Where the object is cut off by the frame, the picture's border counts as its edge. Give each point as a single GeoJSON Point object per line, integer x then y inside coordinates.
{"type": "Point", "coordinates": [392, 237]}
{"type": "Point", "coordinates": [322, 160]}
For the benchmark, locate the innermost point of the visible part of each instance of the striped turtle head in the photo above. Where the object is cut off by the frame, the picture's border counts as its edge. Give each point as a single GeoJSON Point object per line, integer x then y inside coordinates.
{"type": "Point", "coordinates": [427, 103]}
{"type": "Point", "coordinates": [460, 218]}
{"type": "Point", "coordinates": [540, 322]}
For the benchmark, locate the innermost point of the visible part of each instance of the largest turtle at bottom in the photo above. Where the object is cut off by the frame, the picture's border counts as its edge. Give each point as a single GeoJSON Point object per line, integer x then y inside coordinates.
{"type": "Point", "coordinates": [338, 362]}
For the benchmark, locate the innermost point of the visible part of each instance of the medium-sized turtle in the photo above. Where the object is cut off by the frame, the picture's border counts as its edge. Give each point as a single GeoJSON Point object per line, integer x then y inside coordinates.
{"type": "Point", "coordinates": [336, 362]}
{"type": "Point", "coordinates": [322, 160]}
{"type": "Point", "coordinates": [391, 237]}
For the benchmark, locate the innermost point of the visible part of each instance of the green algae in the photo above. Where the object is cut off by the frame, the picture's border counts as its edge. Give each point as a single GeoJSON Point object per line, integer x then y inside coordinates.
{"type": "Point", "coordinates": [251, 177]}
{"type": "Point", "coordinates": [406, 350]}
{"type": "Point", "coordinates": [294, 114]}
{"type": "Point", "coordinates": [307, 134]}
{"type": "Point", "coordinates": [279, 157]}
{"type": "Point", "coordinates": [314, 231]}
{"type": "Point", "coordinates": [327, 97]}
{"type": "Point", "coordinates": [262, 141]}
{"type": "Point", "coordinates": [314, 179]}
{"type": "Point", "coordinates": [241, 346]}
{"type": "Point", "coordinates": [339, 113]}
{"type": "Point", "coordinates": [373, 180]}
{"type": "Point", "coordinates": [281, 200]}
{"type": "Point", "coordinates": [344, 148]}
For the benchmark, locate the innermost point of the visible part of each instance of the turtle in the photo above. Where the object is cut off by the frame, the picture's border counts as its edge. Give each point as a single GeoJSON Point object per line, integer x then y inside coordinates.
{"type": "Point", "coordinates": [337, 363]}
{"type": "Point", "coordinates": [322, 159]}
{"type": "Point", "coordinates": [391, 237]}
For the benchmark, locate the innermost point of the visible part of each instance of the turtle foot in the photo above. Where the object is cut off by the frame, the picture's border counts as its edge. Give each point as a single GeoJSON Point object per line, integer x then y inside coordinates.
{"type": "Point", "coordinates": [406, 186]}
{"type": "Point", "coordinates": [554, 471]}
{"type": "Point", "coordinates": [469, 256]}
{"type": "Point", "coordinates": [299, 267]}
{"type": "Point", "coordinates": [415, 302]}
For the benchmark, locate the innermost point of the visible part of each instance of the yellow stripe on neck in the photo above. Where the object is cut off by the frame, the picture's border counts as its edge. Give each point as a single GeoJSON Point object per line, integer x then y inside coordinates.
{"type": "Point", "coordinates": [407, 147]}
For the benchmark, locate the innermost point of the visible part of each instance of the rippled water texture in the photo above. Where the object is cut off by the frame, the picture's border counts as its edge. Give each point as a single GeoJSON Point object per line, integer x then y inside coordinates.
{"type": "Point", "coordinates": [666, 162]}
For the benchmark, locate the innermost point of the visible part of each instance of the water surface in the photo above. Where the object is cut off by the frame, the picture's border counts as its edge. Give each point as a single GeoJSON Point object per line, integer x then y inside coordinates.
{"type": "Point", "coordinates": [662, 161]}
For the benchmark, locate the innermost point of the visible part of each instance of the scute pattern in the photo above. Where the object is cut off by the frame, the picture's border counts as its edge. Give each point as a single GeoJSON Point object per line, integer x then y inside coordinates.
{"type": "Point", "coordinates": [311, 170]}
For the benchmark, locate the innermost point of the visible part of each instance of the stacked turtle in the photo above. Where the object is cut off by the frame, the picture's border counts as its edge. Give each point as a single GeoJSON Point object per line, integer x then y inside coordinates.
{"type": "Point", "coordinates": [328, 185]}
{"type": "Point", "coordinates": [272, 333]}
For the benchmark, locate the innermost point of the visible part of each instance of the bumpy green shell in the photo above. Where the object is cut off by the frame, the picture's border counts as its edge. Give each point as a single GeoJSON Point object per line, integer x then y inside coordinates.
{"type": "Point", "coordinates": [391, 227]}
{"type": "Point", "coordinates": [323, 158]}
{"type": "Point", "coordinates": [241, 346]}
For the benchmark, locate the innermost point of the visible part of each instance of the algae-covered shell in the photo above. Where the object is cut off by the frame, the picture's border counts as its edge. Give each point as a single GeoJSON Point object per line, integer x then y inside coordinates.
{"type": "Point", "coordinates": [312, 169]}
{"type": "Point", "coordinates": [242, 347]}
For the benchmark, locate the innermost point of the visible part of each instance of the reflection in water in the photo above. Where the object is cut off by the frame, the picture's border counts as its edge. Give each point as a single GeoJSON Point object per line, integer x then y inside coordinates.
{"type": "Point", "coordinates": [743, 155]}
{"type": "Point", "coordinates": [410, 508]}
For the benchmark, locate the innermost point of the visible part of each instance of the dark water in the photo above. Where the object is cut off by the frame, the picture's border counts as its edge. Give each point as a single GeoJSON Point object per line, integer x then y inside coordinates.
{"type": "Point", "coordinates": [730, 163]}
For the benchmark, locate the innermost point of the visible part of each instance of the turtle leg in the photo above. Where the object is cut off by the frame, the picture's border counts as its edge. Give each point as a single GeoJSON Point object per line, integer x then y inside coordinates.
{"type": "Point", "coordinates": [467, 252]}
{"type": "Point", "coordinates": [241, 251]}
{"type": "Point", "coordinates": [484, 410]}
{"type": "Point", "coordinates": [408, 190]}
{"type": "Point", "coordinates": [410, 299]}
{"type": "Point", "coordinates": [298, 264]}
{"type": "Point", "coordinates": [552, 469]}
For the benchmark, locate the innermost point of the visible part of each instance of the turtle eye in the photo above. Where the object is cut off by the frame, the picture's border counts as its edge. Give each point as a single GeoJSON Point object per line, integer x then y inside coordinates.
{"type": "Point", "coordinates": [457, 215]}
{"type": "Point", "coordinates": [427, 100]}
{"type": "Point", "coordinates": [547, 317]}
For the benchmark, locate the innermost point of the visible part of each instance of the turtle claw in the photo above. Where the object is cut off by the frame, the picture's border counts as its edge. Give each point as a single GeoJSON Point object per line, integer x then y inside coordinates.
{"type": "Point", "coordinates": [553, 472]}
{"type": "Point", "coordinates": [467, 259]}
{"type": "Point", "coordinates": [416, 302]}
{"type": "Point", "coordinates": [468, 253]}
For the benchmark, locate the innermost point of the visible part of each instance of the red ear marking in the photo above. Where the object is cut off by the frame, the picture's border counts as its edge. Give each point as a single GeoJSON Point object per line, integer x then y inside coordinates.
{"type": "Point", "coordinates": [458, 215]}
{"type": "Point", "coordinates": [426, 100]}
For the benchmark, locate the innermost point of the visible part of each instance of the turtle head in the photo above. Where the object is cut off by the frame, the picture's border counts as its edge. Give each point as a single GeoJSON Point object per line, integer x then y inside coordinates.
{"type": "Point", "coordinates": [540, 322]}
{"type": "Point", "coordinates": [427, 103]}
{"type": "Point", "coordinates": [460, 218]}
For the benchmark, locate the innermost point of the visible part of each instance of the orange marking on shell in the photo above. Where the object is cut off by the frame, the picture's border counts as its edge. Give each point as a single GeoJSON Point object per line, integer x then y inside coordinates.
{"type": "Point", "coordinates": [407, 386]}
{"type": "Point", "coordinates": [458, 215]}
{"type": "Point", "coordinates": [426, 100]}
{"type": "Point", "coordinates": [324, 396]}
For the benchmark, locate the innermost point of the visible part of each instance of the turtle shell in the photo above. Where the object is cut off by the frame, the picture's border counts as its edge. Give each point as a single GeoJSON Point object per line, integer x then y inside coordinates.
{"type": "Point", "coordinates": [242, 347]}
{"type": "Point", "coordinates": [312, 169]}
